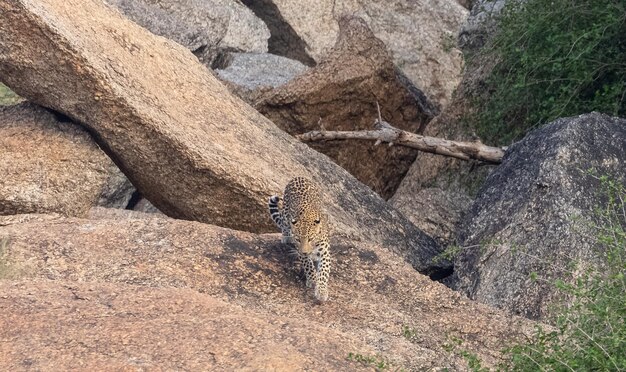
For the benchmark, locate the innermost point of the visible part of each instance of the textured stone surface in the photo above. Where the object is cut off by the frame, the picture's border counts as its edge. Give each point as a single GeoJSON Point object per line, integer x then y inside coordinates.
{"type": "Point", "coordinates": [342, 92]}
{"type": "Point", "coordinates": [143, 205]}
{"type": "Point", "coordinates": [258, 70]}
{"type": "Point", "coordinates": [190, 147]}
{"type": "Point", "coordinates": [48, 165]}
{"type": "Point", "coordinates": [205, 27]}
{"type": "Point", "coordinates": [117, 190]}
{"type": "Point", "coordinates": [530, 214]}
{"type": "Point", "coordinates": [435, 211]}
{"type": "Point", "coordinates": [59, 325]}
{"type": "Point", "coordinates": [420, 34]}
{"type": "Point", "coordinates": [480, 24]}
{"type": "Point", "coordinates": [159, 288]}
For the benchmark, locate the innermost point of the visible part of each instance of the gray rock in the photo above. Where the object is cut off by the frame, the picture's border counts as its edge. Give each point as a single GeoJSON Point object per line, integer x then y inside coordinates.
{"type": "Point", "coordinates": [258, 70]}
{"type": "Point", "coordinates": [434, 210]}
{"type": "Point", "coordinates": [481, 23]}
{"type": "Point", "coordinates": [206, 27]}
{"type": "Point", "coordinates": [117, 189]}
{"type": "Point", "coordinates": [143, 205]}
{"type": "Point", "coordinates": [531, 215]}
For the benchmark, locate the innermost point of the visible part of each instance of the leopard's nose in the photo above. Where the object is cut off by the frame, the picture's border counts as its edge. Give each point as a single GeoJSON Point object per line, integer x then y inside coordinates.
{"type": "Point", "coordinates": [306, 247]}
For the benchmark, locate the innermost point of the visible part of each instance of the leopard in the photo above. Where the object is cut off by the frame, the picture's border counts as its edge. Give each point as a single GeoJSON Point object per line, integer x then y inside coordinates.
{"type": "Point", "coordinates": [304, 225]}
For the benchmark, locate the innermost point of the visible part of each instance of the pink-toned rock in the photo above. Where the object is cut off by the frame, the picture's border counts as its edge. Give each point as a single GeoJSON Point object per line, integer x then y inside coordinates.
{"type": "Point", "coordinates": [61, 325]}
{"type": "Point", "coordinates": [48, 165]}
{"type": "Point", "coordinates": [159, 286]}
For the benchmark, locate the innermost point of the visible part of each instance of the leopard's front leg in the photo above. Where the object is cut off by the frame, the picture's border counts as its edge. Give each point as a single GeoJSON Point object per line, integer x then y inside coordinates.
{"type": "Point", "coordinates": [322, 272]}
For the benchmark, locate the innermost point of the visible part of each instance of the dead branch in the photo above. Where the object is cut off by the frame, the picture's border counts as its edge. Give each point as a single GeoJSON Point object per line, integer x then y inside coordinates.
{"type": "Point", "coordinates": [385, 132]}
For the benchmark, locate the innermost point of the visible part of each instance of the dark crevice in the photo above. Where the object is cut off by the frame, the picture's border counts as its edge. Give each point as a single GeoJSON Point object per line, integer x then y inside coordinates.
{"type": "Point", "coordinates": [134, 199]}
{"type": "Point", "coordinates": [60, 117]}
{"type": "Point", "coordinates": [441, 274]}
{"type": "Point", "coordinates": [222, 61]}
{"type": "Point", "coordinates": [283, 41]}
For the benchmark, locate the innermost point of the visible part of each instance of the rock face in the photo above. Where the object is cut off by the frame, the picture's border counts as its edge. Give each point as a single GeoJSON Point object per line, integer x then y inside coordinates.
{"type": "Point", "coordinates": [249, 75]}
{"type": "Point", "coordinates": [480, 24]}
{"type": "Point", "coordinates": [130, 330]}
{"type": "Point", "coordinates": [190, 147]}
{"type": "Point", "coordinates": [48, 165]}
{"type": "Point", "coordinates": [420, 34]}
{"type": "Point", "coordinates": [206, 27]}
{"type": "Point", "coordinates": [256, 70]}
{"type": "Point", "coordinates": [117, 190]}
{"type": "Point", "coordinates": [343, 91]}
{"type": "Point", "coordinates": [164, 292]}
{"type": "Point", "coordinates": [529, 216]}
{"type": "Point", "coordinates": [434, 210]}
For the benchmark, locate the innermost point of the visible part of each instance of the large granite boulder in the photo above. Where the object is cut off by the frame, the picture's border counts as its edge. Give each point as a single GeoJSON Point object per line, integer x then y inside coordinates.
{"type": "Point", "coordinates": [50, 165]}
{"type": "Point", "coordinates": [206, 27]}
{"type": "Point", "coordinates": [420, 34]}
{"type": "Point", "coordinates": [534, 213]}
{"type": "Point", "coordinates": [189, 146]}
{"type": "Point", "coordinates": [341, 93]}
{"type": "Point", "coordinates": [159, 292]}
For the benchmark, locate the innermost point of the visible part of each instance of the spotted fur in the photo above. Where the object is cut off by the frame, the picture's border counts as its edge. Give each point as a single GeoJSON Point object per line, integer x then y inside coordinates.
{"type": "Point", "coordinates": [303, 223]}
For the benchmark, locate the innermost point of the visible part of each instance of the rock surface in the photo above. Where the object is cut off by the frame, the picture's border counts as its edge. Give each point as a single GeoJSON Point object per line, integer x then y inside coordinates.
{"type": "Point", "coordinates": [420, 34]}
{"type": "Point", "coordinates": [50, 165]}
{"type": "Point", "coordinates": [190, 147]}
{"type": "Point", "coordinates": [342, 92]}
{"type": "Point", "coordinates": [530, 214]}
{"type": "Point", "coordinates": [206, 27]}
{"type": "Point", "coordinates": [117, 190]}
{"type": "Point", "coordinates": [480, 24]}
{"type": "Point", "coordinates": [252, 74]}
{"type": "Point", "coordinates": [57, 325]}
{"type": "Point", "coordinates": [143, 205]}
{"type": "Point", "coordinates": [434, 210]}
{"type": "Point", "coordinates": [255, 70]}
{"type": "Point", "coordinates": [159, 288]}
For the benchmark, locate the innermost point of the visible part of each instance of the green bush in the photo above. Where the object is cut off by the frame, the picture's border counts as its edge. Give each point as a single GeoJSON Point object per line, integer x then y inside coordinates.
{"type": "Point", "coordinates": [590, 332]}
{"type": "Point", "coordinates": [555, 58]}
{"type": "Point", "coordinates": [7, 97]}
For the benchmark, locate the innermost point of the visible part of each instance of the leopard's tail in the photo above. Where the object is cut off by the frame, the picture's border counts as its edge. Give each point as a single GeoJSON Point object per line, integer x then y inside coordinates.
{"type": "Point", "coordinates": [275, 210]}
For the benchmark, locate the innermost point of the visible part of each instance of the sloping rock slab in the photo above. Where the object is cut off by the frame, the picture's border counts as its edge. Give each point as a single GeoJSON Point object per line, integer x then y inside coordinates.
{"type": "Point", "coordinates": [191, 148]}
{"type": "Point", "coordinates": [48, 165]}
{"type": "Point", "coordinates": [57, 325]}
{"type": "Point", "coordinates": [342, 92]}
{"type": "Point", "coordinates": [373, 294]}
{"type": "Point", "coordinates": [530, 216]}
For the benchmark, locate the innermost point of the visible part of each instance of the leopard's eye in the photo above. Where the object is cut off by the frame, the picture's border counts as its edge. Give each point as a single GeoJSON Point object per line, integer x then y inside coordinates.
{"type": "Point", "coordinates": [294, 221]}
{"type": "Point", "coordinates": [317, 221]}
